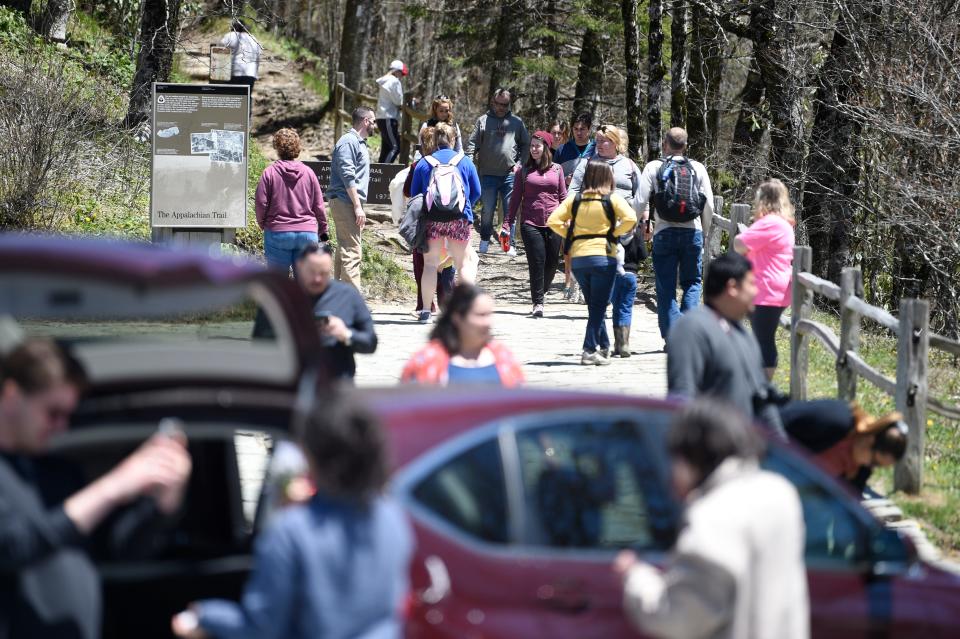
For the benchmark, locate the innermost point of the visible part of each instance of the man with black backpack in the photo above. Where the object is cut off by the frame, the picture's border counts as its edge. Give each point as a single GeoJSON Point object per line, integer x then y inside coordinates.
{"type": "Point", "coordinates": [679, 189]}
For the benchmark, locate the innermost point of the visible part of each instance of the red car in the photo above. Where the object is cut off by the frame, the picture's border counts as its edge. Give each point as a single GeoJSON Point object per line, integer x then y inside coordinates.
{"type": "Point", "coordinates": [520, 499]}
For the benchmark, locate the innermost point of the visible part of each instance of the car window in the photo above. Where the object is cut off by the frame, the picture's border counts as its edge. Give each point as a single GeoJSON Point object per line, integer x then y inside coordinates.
{"type": "Point", "coordinates": [586, 485]}
{"type": "Point", "coordinates": [834, 534]}
{"type": "Point", "coordinates": [469, 493]}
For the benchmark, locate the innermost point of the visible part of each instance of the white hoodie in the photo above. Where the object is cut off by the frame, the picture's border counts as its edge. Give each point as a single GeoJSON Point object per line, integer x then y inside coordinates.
{"type": "Point", "coordinates": [390, 98]}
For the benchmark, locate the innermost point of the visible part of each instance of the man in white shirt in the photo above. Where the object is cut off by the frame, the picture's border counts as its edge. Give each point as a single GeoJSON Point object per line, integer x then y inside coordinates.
{"type": "Point", "coordinates": [389, 103]}
{"type": "Point", "coordinates": [677, 238]}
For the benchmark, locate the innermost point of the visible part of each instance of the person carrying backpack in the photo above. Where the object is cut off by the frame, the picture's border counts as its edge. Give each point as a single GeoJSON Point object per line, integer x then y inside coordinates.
{"type": "Point", "coordinates": [591, 222]}
{"type": "Point", "coordinates": [450, 185]}
{"type": "Point", "coordinates": [680, 192]}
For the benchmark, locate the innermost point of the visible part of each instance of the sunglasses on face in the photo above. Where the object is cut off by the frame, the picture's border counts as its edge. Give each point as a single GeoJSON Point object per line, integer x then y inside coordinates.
{"type": "Point", "coordinates": [440, 97]}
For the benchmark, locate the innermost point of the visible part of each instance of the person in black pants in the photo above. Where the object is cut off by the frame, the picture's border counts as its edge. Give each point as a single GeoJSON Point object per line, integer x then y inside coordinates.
{"type": "Point", "coordinates": [539, 188]}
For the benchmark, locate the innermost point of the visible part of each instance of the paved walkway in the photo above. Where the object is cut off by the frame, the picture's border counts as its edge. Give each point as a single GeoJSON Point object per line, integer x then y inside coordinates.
{"type": "Point", "coordinates": [549, 348]}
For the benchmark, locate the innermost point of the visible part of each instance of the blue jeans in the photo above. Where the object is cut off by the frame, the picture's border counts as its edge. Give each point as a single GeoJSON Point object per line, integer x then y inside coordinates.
{"type": "Point", "coordinates": [282, 247]}
{"type": "Point", "coordinates": [492, 188]}
{"type": "Point", "coordinates": [595, 275]}
{"type": "Point", "coordinates": [624, 293]}
{"type": "Point", "coordinates": [676, 249]}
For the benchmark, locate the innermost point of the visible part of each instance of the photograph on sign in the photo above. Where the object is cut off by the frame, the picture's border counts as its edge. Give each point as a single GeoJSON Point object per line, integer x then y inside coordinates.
{"type": "Point", "coordinates": [199, 168]}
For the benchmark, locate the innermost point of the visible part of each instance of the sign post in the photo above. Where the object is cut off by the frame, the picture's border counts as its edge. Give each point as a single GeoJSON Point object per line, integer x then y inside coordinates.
{"type": "Point", "coordinates": [198, 186]}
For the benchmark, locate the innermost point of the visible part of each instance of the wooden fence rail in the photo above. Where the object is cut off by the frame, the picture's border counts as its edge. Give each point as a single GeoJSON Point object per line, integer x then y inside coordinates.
{"type": "Point", "coordinates": [408, 139]}
{"type": "Point", "coordinates": [914, 339]}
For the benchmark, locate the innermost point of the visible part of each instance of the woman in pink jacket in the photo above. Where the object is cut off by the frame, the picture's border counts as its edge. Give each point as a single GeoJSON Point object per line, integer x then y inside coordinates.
{"type": "Point", "coordinates": [768, 244]}
{"type": "Point", "coordinates": [289, 203]}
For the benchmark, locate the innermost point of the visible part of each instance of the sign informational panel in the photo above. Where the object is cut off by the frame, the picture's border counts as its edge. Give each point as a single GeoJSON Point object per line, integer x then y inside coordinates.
{"type": "Point", "coordinates": [199, 167]}
{"type": "Point", "coordinates": [380, 176]}
{"type": "Point", "coordinates": [221, 63]}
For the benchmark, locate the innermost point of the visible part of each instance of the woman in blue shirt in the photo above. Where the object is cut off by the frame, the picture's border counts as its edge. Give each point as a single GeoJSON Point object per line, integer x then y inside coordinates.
{"type": "Point", "coordinates": [336, 566]}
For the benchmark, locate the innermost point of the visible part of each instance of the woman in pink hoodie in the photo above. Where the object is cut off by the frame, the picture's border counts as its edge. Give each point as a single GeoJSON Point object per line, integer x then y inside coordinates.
{"type": "Point", "coordinates": [289, 202]}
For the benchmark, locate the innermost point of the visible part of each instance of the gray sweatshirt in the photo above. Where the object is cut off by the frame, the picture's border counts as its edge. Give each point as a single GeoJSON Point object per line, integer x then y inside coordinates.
{"type": "Point", "coordinates": [626, 176]}
{"type": "Point", "coordinates": [497, 144]}
{"type": "Point", "coordinates": [713, 356]}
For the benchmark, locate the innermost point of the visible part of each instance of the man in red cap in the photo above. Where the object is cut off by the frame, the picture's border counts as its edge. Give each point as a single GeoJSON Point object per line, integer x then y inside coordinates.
{"type": "Point", "coordinates": [388, 110]}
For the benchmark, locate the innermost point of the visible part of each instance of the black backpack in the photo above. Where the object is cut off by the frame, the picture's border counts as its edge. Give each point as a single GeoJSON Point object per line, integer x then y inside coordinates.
{"type": "Point", "coordinates": [611, 217]}
{"type": "Point", "coordinates": [677, 197]}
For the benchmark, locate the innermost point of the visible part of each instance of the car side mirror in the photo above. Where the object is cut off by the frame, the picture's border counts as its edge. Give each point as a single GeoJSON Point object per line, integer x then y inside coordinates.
{"type": "Point", "coordinates": [891, 553]}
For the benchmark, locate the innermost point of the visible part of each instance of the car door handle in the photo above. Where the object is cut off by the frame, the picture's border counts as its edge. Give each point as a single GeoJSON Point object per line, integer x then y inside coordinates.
{"type": "Point", "coordinates": [565, 596]}
{"type": "Point", "coordinates": [439, 581]}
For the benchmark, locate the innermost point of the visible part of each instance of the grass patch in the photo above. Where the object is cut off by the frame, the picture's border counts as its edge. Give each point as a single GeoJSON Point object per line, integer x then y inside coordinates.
{"type": "Point", "coordinates": [937, 508]}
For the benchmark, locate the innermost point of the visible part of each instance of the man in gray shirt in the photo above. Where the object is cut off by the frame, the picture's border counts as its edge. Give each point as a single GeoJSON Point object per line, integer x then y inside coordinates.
{"type": "Point", "coordinates": [499, 142]}
{"type": "Point", "coordinates": [349, 181]}
{"type": "Point", "coordinates": [710, 352]}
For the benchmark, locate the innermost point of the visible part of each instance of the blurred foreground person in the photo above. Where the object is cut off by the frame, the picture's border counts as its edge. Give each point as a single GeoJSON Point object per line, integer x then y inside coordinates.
{"type": "Point", "coordinates": [847, 441]}
{"type": "Point", "coordinates": [49, 587]}
{"type": "Point", "coordinates": [341, 315]}
{"type": "Point", "coordinates": [336, 566]}
{"type": "Point", "coordinates": [737, 568]}
{"type": "Point", "coordinates": [462, 349]}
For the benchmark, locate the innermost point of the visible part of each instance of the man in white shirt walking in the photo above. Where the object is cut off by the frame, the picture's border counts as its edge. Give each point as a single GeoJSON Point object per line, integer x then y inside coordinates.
{"type": "Point", "coordinates": [389, 103]}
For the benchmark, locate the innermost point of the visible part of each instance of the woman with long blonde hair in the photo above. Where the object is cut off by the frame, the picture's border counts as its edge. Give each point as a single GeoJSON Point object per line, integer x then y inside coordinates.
{"type": "Point", "coordinates": [768, 244]}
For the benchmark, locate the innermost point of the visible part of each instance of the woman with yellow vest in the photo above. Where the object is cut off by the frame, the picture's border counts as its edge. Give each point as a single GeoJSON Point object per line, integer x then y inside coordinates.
{"type": "Point", "coordinates": [591, 221]}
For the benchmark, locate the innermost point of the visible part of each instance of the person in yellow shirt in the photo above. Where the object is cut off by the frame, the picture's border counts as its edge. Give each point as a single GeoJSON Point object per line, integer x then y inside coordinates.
{"type": "Point", "coordinates": [591, 221]}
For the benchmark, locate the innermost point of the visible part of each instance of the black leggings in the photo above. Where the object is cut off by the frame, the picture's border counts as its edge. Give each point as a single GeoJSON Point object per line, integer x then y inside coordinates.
{"type": "Point", "coordinates": [765, 320]}
{"type": "Point", "coordinates": [543, 253]}
{"type": "Point", "coordinates": [389, 140]}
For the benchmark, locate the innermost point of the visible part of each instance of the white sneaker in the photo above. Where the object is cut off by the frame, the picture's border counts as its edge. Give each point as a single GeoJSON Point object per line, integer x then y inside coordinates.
{"type": "Point", "coordinates": [484, 245]}
{"type": "Point", "coordinates": [512, 252]}
{"type": "Point", "coordinates": [537, 310]}
{"type": "Point", "coordinates": [424, 317]}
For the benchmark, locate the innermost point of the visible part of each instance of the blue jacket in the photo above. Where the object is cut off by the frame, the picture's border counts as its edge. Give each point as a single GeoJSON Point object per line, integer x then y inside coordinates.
{"type": "Point", "coordinates": [468, 173]}
{"type": "Point", "coordinates": [569, 152]}
{"type": "Point", "coordinates": [349, 167]}
{"type": "Point", "coordinates": [326, 569]}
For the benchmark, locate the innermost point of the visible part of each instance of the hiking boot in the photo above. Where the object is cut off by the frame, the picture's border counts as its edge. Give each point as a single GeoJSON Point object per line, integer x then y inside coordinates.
{"type": "Point", "coordinates": [484, 245]}
{"type": "Point", "coordinates": [621, 335]}
{"type": "Point", "coordinates": [537, 310]}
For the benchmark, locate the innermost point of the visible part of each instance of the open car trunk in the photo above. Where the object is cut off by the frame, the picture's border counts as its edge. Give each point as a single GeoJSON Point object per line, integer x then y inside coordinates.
{"type": "Point", "coordinates": [166, 334]}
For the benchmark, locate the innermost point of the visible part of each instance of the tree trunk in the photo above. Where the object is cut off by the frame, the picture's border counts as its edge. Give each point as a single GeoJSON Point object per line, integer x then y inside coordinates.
{"type": "Point", "coordinates": [834, 171]}
{"type": "Point", "coordinates": [355, 44]}
{"type": "Point", "coordinates": [552, 96]}
{"type": "Point", "coordinates": [655, 74]}
{"type": "Point", "coordinates": [774, 27]}
{"type": "Point", "coordinates": [748, 133]}
{"type": "Point", "coordinates": [159, 28]}
{"type": "Point", "coordinates": [507, 47]}
{"type": "Point", "coordinates": [53, 20]}
{"type": "Point", "coordinates": [678, 64]}
{"type": "Point", "coordinates": [631, 55]}
{"type": "Point", "coordinates": [589, 86]}
{"type": "Point", "coordinates": [706, 69]}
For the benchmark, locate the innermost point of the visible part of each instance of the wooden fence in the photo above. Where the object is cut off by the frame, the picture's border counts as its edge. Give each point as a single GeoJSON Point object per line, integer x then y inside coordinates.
{"type": "Point", "coordinates": [914, 339]}
{"type": "Point", "coordinates": [408, 135]}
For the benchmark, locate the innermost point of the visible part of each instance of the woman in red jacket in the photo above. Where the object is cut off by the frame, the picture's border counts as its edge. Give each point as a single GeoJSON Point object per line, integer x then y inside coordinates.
{"type": "Point", "coordinates": [461, 349]}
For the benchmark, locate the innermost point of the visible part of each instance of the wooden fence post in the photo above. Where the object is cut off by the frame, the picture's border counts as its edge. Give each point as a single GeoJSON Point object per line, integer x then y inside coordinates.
{"type": "Point", "coordinates": [709, 231]}
{"type": "Point", "coordinates": [851, 285]}
{"type": "Point", "coordinates": [338, 107]}
{"type": "Point", "coordinates": [912, 391]}
{"type": "Point", "coordinates": [406, 129]}
{"type": "Point", "coordinates": [739, 214]}
{"type": "Point", "coordinates": [800, 309]}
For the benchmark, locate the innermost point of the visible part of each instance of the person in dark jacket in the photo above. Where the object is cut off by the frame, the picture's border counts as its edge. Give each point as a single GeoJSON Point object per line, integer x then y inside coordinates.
{"type": "Point", "coordinates": [847, 441]}
{"type": "Point", "coordinates": [336, 566]}
{"type": "Point", "coordinates": [343, 319]}
{"type": "Point", "coordinates": [49, 520]}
